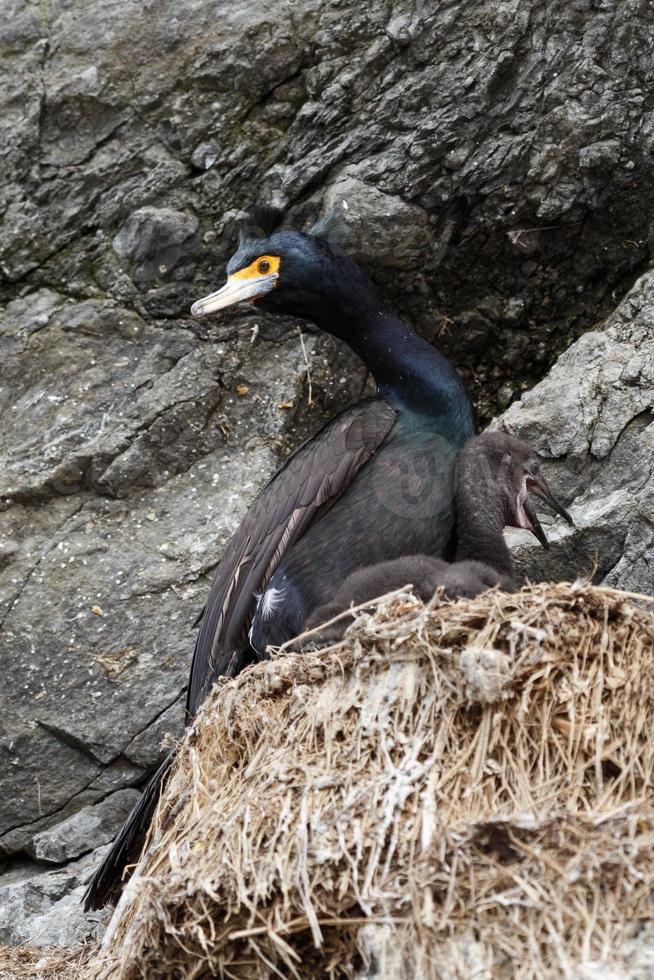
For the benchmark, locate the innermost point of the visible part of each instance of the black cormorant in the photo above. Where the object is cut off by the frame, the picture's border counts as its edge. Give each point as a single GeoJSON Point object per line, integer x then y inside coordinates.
{"type": "Point", "coordinates": [375, 483]}
{"type": "Point", "coordinates": [495, 473]}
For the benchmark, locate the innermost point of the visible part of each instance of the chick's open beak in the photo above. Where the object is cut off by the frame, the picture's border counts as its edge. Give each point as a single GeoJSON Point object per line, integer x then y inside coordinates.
{"type": "Point", "coordinates": [538, 486]}
{"type": "Point", "coordinates": [534, 524]}
{"type": "Point", "coordinates": [236, 289]}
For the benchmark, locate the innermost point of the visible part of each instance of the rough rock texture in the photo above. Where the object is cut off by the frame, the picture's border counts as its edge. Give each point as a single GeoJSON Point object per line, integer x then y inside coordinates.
{"type": "Point", "coordinates": [84, 830]}
{"type": "Point", "coordinates": [42, 907]}
{"type": "Point", "coordinates": [496, 163]}
{"type": "Point", "coordinates": [593, 417]}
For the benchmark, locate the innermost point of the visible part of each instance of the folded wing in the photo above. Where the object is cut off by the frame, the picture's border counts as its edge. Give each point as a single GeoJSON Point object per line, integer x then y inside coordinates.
{"type": "Point", "coordinates": [308, 482]}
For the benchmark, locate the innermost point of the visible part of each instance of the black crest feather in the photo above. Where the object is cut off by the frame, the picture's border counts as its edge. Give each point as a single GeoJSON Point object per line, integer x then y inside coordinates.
{"type": "Point", "coordinates": [262, 221]}
{"type": "Point", "coordinates": [332, 227]}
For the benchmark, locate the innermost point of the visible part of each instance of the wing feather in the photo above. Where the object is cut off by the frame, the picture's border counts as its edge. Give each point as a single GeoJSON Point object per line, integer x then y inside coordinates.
{"type": "Point", "coordinates": [311, 478]}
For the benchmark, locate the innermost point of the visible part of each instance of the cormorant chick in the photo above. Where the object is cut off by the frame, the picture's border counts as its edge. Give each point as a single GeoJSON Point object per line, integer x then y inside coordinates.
{"type": "Point", "coordinates": [495, 472]}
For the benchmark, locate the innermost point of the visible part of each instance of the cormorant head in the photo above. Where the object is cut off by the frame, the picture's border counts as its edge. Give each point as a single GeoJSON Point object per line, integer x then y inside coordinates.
{"type": "Point", "coordinates": [295, 273]}
{"type": "Point", "coordinates": [501, 464]}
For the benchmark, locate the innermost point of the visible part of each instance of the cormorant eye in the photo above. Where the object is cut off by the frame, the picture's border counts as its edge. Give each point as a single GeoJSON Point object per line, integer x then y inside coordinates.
{"type": "Point", "coordinates": [263, 266]}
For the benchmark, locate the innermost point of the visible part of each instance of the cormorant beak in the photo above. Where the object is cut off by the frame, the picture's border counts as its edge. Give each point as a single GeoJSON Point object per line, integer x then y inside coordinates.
{"type": "Point", "coordinates": [237, 288]}
{"type": "Point", "coordinates": [534, 524]}
{"type": "Point", "coordinates": [538, 486]}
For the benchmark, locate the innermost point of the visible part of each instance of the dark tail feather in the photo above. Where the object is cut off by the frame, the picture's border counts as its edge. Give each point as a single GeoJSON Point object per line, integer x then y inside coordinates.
{"type": "Point", "coordinates": [106, 883]}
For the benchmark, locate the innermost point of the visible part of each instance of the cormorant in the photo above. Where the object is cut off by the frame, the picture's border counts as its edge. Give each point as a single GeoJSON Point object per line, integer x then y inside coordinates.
{"type": "Point", "coordinates": [495, 473]}
{"type": "Point", "coordinates": [375, 483]}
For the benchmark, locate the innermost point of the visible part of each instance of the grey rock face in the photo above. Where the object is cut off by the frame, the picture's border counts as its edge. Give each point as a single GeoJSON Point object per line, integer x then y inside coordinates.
{"type": "Point", "coordinates": [496, 163]}
{"type": "Point", "coordinates": [155, 241]}
{"type": "Point", "coordinates": [85, 830]}
{"type": "Point", "coordinates": [505, 147]}
{"type": "Point", "coordinates": [140, 464]}
{"type": "Point", "coordinates": [42, 907]}
{"type": "Point", "coordinates": [592, 418]}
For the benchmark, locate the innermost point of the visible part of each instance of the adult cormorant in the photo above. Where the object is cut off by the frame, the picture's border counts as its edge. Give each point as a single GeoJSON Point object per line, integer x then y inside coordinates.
{"type": "Point", "coordinates": [495, 473]}
{"type": "Point", "coordinates": [375, 483]}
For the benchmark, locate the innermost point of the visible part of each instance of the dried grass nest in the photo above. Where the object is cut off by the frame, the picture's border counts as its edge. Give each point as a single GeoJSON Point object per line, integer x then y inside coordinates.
{"type": "Point", "coordinates": [36, 963]}
{"type": "Point", "coordinates": [454, 790]}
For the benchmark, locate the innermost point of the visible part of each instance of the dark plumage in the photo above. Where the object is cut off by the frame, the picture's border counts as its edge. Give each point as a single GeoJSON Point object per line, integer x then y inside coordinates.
{"type": "Point", "coordinates": [424, 573]}
{"type": "Point", "coordinates": [494, 474]}
{"type": "Point", "coordinates": [373, 484]}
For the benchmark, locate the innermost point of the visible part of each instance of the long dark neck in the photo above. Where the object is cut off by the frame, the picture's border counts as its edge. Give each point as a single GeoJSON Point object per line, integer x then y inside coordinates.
{"type": "Point", "coordinates": [482, 541]}
{"type": "Point", "coordinates": [407, 368]}
{"type": "Point", "coordinates": [480, 518]}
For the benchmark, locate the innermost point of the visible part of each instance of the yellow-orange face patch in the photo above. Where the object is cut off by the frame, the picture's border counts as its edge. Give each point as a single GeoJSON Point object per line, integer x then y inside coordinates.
{"type": "Point", "coordinates": [265, 265]}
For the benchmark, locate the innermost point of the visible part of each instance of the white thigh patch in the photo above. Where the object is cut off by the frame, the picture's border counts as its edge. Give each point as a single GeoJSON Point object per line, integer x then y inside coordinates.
{"type": "Point", "coordinates": [271, 600]}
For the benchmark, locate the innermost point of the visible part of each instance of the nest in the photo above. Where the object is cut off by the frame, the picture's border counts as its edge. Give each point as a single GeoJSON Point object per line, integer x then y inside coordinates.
{"type": "Point", "coordinates": [453, 790]}
{"type": "Point", "coordinates": [30, 963]}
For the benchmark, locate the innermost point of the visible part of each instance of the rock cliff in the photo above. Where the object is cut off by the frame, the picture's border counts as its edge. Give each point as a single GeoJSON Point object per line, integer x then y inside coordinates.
{"type": "Point", "coordinates": [494, 163]}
